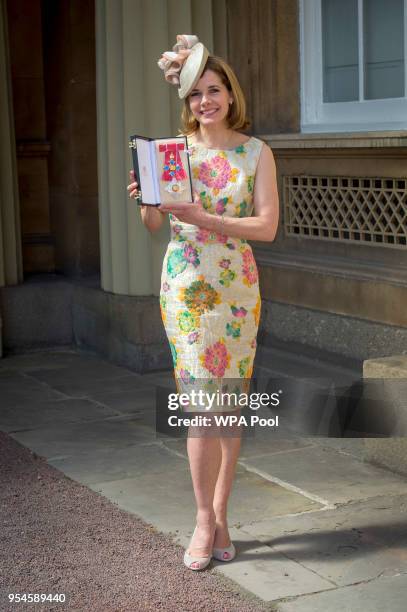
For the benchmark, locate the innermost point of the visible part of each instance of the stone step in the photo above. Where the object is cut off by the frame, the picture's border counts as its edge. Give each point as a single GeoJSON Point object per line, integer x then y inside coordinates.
{"type": "Point", "coordinates": [348, 405]}
{"type": "Point", "coordinates": [302, 361]}
{"type": "Point", "coordinates": [317, 391]}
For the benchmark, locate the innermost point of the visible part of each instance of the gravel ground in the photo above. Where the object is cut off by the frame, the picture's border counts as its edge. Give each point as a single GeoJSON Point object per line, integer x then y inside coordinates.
{"type": "Point", "coordinates": [57, 536]}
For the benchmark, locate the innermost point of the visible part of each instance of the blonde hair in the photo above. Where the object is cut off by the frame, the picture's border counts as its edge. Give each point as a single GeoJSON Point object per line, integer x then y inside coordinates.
{"type": "Point", "coordinates": [236, 117]}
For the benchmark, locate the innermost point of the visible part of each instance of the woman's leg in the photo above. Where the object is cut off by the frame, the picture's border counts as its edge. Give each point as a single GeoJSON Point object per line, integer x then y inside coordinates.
{"type": "Point", "coordinates": [205, 457]}
{"type": "Point", "coordinates": [230, 446]}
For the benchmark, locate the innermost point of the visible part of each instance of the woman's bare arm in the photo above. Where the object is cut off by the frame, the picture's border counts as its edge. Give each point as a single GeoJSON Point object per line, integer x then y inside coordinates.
{"type": "Point", "coordinates": [151, 217]}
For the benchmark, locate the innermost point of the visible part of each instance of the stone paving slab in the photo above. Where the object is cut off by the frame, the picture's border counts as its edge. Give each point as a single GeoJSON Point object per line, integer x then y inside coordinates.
{"type": "Point", "coordinates": [348, 446]}
{"type": "Point", "coordinates": [166, 500]}
{"type": "Point", "coordinates": [251, 446]}
{"type": "Point", "coordinates": [253, 499]}
{"type": "Point", "coordinates": [85, 438]}
{"type": "Point", "coordinates": [48, 359]}
{"type": "Point", "coordinates": [266, 441]}
{"type": "Point", "coordinates": [267, 573]}
{"type": "Point", "coordinates": [91, 369]}
{"type": "Point", "coordinates": [18, 388]}
{"type": "Point", "coordinates": [107, 465]}
{"type": "Point", "coordinates": [333, 476]}
{"type": "Point", "coordinates": [84, 386]}
{"type": "Point", "coordinates": [128, 401]}
{"type": "Point", "coordinates": [387, 594]}
{"type": "Point", "coordinates": [137, 387]}
{"type": "Point", "coordinates": [356, 542]}
{"type": "Point", "coordinates": [52, 412]}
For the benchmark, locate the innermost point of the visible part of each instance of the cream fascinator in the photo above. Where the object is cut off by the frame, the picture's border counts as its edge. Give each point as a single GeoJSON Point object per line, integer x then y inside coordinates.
{"type": "Point", "coordinates": [185, 64]}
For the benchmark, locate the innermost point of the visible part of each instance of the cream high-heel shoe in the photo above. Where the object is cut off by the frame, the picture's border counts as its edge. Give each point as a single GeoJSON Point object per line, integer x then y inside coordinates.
{"type": "Point", "coordinates": [224, 554]}
{"type": "Point", "coordinates": [190, 560]}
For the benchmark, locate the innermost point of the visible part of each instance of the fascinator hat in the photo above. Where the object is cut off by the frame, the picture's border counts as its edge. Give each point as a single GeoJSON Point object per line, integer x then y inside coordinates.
{"type": "Point", "coordinates": [184, 65]}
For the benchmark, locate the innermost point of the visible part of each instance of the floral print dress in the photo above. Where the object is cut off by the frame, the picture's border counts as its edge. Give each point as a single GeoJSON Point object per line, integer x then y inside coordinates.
{"type": "Point", "coordinates": [209, 297]}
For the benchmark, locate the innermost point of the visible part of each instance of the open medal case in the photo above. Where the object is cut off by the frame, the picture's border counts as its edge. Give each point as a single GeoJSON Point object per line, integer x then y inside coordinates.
{"type": "Point", "coordinates": [161, 169]}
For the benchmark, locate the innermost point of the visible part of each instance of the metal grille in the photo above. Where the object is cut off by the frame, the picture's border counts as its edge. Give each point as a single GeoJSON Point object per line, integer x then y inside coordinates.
{"type": "Point", "coordinates": [363, 210]}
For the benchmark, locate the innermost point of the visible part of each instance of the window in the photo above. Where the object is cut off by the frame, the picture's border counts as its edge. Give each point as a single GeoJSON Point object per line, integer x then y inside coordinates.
{"type": "Point", "coordinates": [353, 65]}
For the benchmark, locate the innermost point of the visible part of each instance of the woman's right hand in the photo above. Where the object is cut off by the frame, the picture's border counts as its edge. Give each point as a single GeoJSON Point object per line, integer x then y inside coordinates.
{"type": "Point", "coordinates": [133, 187]}
{"type": "Point", "coordinates": [151, 217]}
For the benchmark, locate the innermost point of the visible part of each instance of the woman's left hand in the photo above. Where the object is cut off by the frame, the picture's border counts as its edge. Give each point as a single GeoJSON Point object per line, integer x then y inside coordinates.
{"type": "Point", "coordinates": [187, 212]}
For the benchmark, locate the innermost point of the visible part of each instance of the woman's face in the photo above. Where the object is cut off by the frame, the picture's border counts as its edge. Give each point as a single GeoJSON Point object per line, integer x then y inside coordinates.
{"type": "Point", "coordinates": [209, 100]}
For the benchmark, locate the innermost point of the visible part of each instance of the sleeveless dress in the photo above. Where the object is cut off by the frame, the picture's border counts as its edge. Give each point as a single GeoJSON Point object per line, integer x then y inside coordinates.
{"type": "Point", "coordinates": [209, 297]}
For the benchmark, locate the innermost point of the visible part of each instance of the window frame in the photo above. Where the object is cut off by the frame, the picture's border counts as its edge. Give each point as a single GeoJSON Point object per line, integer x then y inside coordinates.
{"type": "Point", "coordinates": [362, 115]}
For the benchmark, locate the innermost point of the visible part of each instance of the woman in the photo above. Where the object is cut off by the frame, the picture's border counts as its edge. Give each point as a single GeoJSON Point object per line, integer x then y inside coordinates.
{"type": "Point", "coordinates": [210, 300]}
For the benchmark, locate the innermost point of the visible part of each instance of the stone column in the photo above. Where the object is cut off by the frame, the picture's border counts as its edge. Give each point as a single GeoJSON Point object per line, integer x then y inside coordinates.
{"type": "Point", "coordinates": [133, 97]}
{"type": "Point", "coordinates": [11, 268]}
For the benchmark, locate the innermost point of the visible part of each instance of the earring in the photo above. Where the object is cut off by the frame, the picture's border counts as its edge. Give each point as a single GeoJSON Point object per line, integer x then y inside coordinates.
{"type": "Point", "coordinates": [230, 101]}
